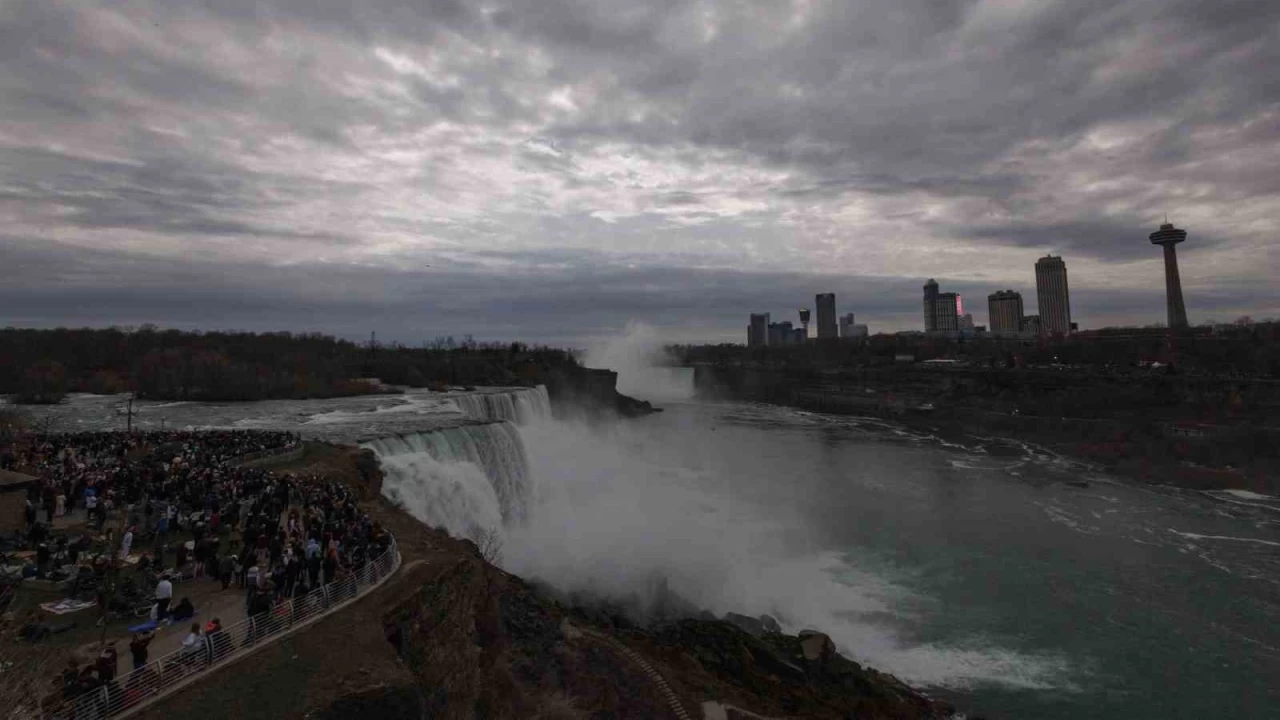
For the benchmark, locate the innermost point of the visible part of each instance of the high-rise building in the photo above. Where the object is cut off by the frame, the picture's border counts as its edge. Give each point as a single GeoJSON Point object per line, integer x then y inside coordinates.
{"type": "Point", "coordinates": [1168, 237]}
{"type": "Point", "coordinates": [846, 325]}
{"type": "Point", "coordinates": [799, 336]}
{"type": "Point", "coordinates": [966, 322]}
{"type": "Point", "coordinates": [1004, 312]}
{"type": "Point", "coordinates": [947, 309]}
{"type": "Point", "coordinates": [827, 316]}
{"type": "Point", "coordinates": [1053, 295]}
{"type": "Point", "coordinates": [781, 333]}
{"type": "Point", "coordinates": [804, 323]}
{"type": "Point", "coordinates": [758, 330]}
{"type": "Point", "coordinates": [930, 303]}
{"type": "Point", "coordinates": [1031, 325]}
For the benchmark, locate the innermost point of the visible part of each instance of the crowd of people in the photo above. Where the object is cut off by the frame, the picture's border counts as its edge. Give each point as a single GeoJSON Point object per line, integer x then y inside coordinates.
{"type": "Point", "coordinates": [181, 513]}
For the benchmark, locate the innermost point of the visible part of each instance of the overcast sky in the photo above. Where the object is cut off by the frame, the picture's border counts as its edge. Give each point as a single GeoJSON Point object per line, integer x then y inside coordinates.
{"type": "Point", "coordinates": [551, 170]}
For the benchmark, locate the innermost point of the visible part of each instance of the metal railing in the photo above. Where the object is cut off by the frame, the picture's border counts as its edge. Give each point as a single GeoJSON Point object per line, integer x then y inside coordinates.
{"type": "Point", "coordinates": [163, 675]}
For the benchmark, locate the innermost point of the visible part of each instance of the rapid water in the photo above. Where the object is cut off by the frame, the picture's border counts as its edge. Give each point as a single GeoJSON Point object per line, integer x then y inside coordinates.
{"type": "Point", "coordinates": [972, 569]}
{"type": "Point", "coordinates": [518, 406]}
{"type": "Point", "coordinates": [465, 479]}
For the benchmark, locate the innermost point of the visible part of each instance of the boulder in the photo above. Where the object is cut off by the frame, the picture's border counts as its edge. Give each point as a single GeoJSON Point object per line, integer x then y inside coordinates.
{"type": "Point", "coordinates": [745, 623]}
{"type": "Point", "coordinates": [817, 648]}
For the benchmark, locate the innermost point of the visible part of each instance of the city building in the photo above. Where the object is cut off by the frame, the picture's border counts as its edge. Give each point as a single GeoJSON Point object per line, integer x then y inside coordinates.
{"type": "Point", "coordinates": [1053, 296]}
{"type": "Point", "coordinates": [846, 325]}
{"type": "Point", "coordinates": [942, 311]}
{"type": "Point", "coordinates": [1031, 325]}
{"type": "Point", "coordinates": [860, 331]}
{"type": "Point", "coordinates": [930, 305]}
{"type": "Point", "coordinates": [799, 336]}
{"type": "Point", "coordinates": [826, 303]}
{"type": "Point", "coordinates": [947, 309]}
{"type": "Point", "coordinates": [781, 333]}
{"type": "Point", "coordinates": [758, 330]}
{"type": "Point", "coordinates": [1168, 237]}
{"type": "Point", "coordinates": [1004, 312]}
{"type": "Point", "coordinates": [966, 322]}
{"type": "Point", "coordinates": [804, 323]}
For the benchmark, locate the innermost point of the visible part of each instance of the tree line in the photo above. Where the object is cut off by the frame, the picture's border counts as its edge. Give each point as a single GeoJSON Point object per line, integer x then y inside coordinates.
{"type": "Point", "coordinates": [42, 366]}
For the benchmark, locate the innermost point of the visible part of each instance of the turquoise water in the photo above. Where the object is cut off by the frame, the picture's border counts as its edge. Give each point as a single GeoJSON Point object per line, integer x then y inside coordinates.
{"type": "Point", "coordinates": [999, 585]}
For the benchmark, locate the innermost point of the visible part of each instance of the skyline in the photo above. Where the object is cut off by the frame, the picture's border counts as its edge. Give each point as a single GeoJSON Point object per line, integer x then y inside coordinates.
{"type": "Point", "coordinates": [551, 176]}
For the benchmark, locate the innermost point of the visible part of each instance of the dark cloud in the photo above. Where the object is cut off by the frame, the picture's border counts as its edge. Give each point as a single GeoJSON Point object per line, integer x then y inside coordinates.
{"type": "Point", "coordinates": [566, 166]}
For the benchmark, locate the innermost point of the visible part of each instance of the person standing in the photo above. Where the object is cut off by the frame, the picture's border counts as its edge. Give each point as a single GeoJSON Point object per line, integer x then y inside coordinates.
{"type": "Point", "coordinates": [138, 648]}
{"type": "Point", "coordinates": [126, 544]}
{"type": "Point", "coordinates": [164, 596]}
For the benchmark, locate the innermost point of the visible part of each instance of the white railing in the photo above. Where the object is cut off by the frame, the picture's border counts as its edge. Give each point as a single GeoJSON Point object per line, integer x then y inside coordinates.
{"type": "Point", "coordinates": [161, 676]}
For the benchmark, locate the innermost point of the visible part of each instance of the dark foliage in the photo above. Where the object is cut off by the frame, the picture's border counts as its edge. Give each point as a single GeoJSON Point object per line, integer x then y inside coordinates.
{"type": "Point", "coordinates": [41, 366]}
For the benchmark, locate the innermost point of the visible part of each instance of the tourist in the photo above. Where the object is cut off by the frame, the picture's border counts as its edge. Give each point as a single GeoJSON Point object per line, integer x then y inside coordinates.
{"type": "Point", "coordinates": [138, 648]}
{"type": "Point", "coordinates": [106, 663]}
{"type": "Point", "coordinates": [126, 543]}
{"type": "Point", "coordinates": [192, 645]}
{"type": "Point", "coordinates": [164, 595]}
{"type": "Point", "coordinates": [226, 568]}
{"type": "Point", "coordinates": [184, 610]}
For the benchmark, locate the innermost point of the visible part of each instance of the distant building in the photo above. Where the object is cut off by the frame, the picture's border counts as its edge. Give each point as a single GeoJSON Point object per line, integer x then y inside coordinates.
{"type": "Point", "coordinates": [966, 322]}
{"type": "Point", "coordinates": [758, 330]}
{"type": "Point", "coordinates": [942, 311]}
{"type": "Point", "coordinates": [947, 310]}
{"type": "Point", "coordinates": [1031, 325]}
{"type": "Point", "coordinates": [1053, 295]}
{"type": "Point", "coordinates": [846, 325]}
{"type": "Point", "coordinates": [930, 305]}
{"type": "Point", "coordinates": [827, 316]}
{"type": "Point", "coordinates": [781, 333]}
{"type": "Point", "coordinates": [799, 336]}
{"type": "Point", "coordinates": [859, 331]}
{"type": "Point", "coordinates": [1004, 312]}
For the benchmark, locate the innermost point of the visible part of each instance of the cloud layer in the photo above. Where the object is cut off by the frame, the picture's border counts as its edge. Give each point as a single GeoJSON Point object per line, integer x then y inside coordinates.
{"type": "Point", "coordinates": [551, 170]}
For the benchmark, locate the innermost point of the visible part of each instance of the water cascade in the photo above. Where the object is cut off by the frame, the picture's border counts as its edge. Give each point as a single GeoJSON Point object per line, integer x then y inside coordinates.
{"type": "Point", "coordinates": [518, 405]}
{"type": "Point", "coordinates": [462, 478]}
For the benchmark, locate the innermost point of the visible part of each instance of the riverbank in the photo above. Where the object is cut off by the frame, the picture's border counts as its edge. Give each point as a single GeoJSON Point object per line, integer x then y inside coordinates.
{"type": "Point", "coordinates": [1144, 434]}
{"type": "Point", "coordinates": [453, 636]}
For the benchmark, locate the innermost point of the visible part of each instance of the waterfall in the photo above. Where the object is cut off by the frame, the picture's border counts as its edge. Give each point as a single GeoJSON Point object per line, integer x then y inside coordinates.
{"type": "Point", "coordinates": [518, 405]}
{"type": "Point", "coordinates": [459, 478]}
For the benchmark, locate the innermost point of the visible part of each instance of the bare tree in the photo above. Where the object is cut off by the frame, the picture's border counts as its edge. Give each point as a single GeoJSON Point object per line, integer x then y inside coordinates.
{"type": "Point", "coordinates": [489, 542]}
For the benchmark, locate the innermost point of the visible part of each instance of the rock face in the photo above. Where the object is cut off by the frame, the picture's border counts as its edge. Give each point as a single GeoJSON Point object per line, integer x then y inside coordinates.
{"type": "Point", "coordinates": [592, 391]}
{"type": "Point", "coordinates": [481, 643]}
{"type": "Point", "coordinates": [780, 675]}
{"type": "Point", "coordinates": [816, 648]}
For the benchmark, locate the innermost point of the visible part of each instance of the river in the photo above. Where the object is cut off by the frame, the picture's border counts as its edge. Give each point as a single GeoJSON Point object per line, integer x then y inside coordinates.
{"type": "Point", "coordinates": [974, 569]}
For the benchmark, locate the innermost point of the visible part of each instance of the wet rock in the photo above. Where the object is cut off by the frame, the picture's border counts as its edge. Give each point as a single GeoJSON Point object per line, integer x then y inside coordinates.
{"type": "Point", "coordinates": [816, 648]}
{"type": "Point", "coordinates": [748, 624]}
{"type": "Point", "coordinates": [770, 624]}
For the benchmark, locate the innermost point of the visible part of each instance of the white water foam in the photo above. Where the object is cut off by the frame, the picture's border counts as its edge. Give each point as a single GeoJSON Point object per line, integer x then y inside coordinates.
{"type": "Point", "coordinates": [638, 357]}
{"type": "Point", "coordinates": [1197, 536]}
{"type": "Point", "coordinates": [461, 478]}
{"type": "Point", "coordinates": [608, 510]}
{"type": "Point", "coordinates": [607, 516]}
